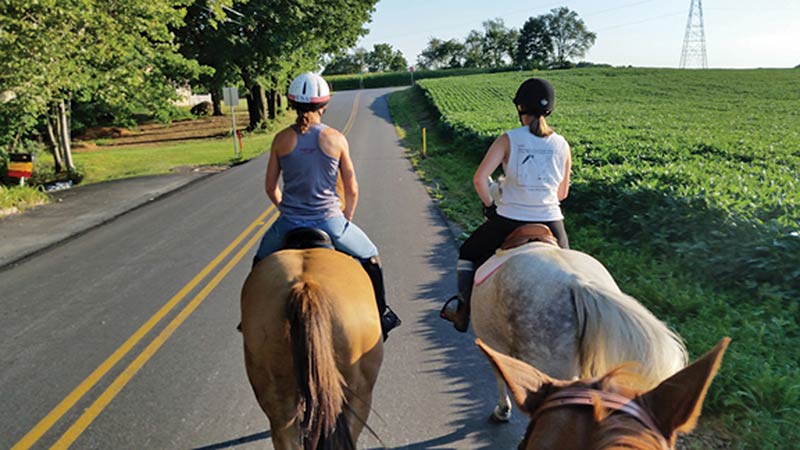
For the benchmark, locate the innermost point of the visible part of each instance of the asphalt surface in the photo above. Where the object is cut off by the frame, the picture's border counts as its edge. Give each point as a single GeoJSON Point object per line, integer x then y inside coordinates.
{"type": "Point", "coordinates": [80, 209]}
{"type": "Point", "coordinates": [82, 279]}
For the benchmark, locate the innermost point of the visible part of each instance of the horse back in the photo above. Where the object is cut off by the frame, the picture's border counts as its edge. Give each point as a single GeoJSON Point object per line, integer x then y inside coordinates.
{"type": "Point", "coordinates": [355, 332]}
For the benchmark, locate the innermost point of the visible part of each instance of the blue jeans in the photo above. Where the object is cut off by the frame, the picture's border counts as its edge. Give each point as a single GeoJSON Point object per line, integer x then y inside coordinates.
{"type": "Point", "coordinates": [346, 236]}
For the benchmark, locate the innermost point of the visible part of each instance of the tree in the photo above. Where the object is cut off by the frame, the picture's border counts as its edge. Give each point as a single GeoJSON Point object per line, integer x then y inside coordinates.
{"type": "Point", "coordinates": [441, 54]}
{"type": "Point", "coordinates": [475, 54]}
{"type": "Point", "coordinates": [569, 35]}
{"type": "Point", "coordinates": [353, 62]}
{"type": "Point", "coordinates": [499, 42]}
{"type": "Point", "coordinates": [200, 38]}
{"type": "Point", "coordinates": [384, 58]}
{"type": "Point", "coordinates": [60, 52]}
{"type": "Point", "coordinates": [273, 40]}
{"type": "Point", "coordinates": [534, 45]}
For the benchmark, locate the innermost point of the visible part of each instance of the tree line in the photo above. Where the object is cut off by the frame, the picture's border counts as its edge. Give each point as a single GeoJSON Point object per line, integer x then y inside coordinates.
{"type": "Point", "coordinates": [73, 63]}
{"type": "Point", "coordinates": [552, 40]}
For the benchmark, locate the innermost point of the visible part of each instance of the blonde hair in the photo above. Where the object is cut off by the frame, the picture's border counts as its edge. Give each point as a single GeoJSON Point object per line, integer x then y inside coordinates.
{"type": "Point", "coordinates": [539, 127]}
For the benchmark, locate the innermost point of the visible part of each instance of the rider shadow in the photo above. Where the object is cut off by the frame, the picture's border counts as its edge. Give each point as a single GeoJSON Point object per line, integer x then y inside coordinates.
{"type": "Point", "coordinates": [456, 359]}
{"type": "Point", "coordinates": [263, 436]}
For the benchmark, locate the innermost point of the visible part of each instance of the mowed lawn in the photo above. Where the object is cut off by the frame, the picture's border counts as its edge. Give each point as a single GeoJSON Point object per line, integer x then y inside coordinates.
{"type": "Point", "coordinates": [685, 185]}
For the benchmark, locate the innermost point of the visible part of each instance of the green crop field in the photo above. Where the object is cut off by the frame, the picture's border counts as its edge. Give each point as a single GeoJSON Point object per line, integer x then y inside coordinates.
{"type": "Point", "coordinates": [686, 184]}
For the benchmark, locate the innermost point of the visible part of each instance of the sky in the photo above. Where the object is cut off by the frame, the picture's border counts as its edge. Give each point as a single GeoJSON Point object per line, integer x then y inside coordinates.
{"type": "Point", "coordinates": [642, 33]}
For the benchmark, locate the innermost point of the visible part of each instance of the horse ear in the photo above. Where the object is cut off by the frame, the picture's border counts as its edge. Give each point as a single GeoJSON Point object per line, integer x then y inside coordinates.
{"type": "Point", "coordinates": [522, 379]}
{"type": "Point", "coordinates": [676, 403]}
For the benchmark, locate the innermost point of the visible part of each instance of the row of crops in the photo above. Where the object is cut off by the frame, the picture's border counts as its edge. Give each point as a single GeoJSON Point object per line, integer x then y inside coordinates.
{"type": "Point", "coordinates": [700, 169]}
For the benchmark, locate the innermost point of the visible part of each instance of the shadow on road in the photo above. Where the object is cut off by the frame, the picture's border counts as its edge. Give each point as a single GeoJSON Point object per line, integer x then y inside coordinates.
{"type": "Point", "coordinates": [263, 436]}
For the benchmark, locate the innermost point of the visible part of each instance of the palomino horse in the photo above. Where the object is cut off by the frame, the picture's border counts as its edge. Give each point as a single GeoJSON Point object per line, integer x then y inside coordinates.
{"type": "Point", "coordinates": [313, 346]}
{"type": "Point", "coordinates": [561, 311]}
{"type": "Point", "coordinates": [604, 412]}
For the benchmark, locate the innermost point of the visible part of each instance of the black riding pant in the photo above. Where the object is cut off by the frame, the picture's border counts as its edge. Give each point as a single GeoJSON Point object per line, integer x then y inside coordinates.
{"type": "Point", "coordinates": [483, 242]}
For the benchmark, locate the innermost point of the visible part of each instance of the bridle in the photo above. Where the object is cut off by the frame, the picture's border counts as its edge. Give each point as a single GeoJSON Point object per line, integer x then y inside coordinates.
{"type": "Point", "coordinates": [580, 396]}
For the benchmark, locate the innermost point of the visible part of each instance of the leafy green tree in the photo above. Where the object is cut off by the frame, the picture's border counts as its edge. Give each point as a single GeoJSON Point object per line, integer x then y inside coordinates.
{"type": "Point", "coordinates": [272, 40]}
{"type": "Point", "coordinates": [475, 54]}
{"type": "Point", "coordinates": [353, 62]}
{"type": "Point", "coordinates": [441, 54]}
{"type": "Point", "coordinates": [534, 45]}
{"type": "Point", "coordinates": [59, 52]}
{"type": "Point", "coordinates": [384, 58]}
{"type": "Point", "coordinates": [570, 37]}
{"type": "Point", "coordinates": [499, 42]}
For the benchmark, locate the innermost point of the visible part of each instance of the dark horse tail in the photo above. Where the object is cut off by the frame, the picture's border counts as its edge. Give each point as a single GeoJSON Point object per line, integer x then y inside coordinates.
{"type": "Point", "coordinates": [321, 385]}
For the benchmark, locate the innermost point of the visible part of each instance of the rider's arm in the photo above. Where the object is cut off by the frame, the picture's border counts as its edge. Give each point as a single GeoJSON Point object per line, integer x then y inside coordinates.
{"type": "Point", "coordinates": [334, 143]}
{"type": "Point", "coordinates": [274, 170]}
{"type": "Point", "coordinates": [563, 187]}
{"type": "Point", "coordinates": [493, 158]}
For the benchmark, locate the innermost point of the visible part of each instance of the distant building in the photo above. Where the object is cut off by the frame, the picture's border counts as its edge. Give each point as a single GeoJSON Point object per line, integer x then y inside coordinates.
{"type": "Point", "coordinates": [186, 98]}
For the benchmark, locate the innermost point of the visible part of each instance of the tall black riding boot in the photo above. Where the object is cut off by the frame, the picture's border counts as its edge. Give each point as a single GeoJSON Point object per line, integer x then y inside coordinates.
{"type": "Point", "coordinates": [389, 319]}
{"type": "Point", "coordinates": [460, 314]}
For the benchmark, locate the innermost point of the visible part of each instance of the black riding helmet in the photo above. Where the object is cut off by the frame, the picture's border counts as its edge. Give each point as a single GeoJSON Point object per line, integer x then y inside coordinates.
{"type": "Point", "coordinates": [536, 97]}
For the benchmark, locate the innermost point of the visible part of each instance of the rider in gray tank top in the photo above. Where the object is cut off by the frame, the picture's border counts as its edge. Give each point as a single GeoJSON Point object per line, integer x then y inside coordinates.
{"type": "Point", "coordinates": [309, 174]}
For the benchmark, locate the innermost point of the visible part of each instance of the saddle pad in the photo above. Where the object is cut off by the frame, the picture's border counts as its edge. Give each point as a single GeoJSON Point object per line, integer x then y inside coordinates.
{"type": "Point", "coordinates": [498, 259]}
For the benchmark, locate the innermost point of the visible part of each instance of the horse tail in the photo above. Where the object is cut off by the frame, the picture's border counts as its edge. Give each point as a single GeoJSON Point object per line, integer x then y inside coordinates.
{"type": "Point", "coordinates": [617, 329]}
{"type": "Point", "coordinates": [321, 385]}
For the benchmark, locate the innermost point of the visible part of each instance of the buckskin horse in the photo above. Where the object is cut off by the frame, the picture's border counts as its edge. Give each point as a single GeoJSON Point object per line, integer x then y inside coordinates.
{"type": "Point", "coordinates": [313, 346]}
{"type": "Point", "coordinates": [561, 311]}
{"type": "Point", "coordinates": [605, 412]}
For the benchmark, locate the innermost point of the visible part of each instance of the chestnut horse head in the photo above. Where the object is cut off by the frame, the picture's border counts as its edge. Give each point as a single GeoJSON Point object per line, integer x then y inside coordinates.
{"type": "Point", "coordinates": [607, 411]}
{"type": "Point", "coordinates": [313, 346]}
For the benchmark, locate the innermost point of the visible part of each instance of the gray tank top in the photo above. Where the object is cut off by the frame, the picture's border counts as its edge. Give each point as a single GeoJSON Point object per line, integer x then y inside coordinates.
{"type": "Point", "coordinates": [309, 179]}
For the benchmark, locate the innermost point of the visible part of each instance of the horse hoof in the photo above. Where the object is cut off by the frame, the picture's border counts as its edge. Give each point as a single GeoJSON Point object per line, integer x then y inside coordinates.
{"type": "Point", "coordinates": [500, 415]}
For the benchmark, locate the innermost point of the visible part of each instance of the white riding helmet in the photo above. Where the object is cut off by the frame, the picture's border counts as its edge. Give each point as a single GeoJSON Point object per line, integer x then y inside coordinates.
{"type": "Point", "coordinates": [309, 88]}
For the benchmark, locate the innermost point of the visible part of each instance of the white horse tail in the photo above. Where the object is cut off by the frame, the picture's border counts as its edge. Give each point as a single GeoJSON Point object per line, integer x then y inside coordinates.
{"type": "Point", "coordinates": [618, 329]}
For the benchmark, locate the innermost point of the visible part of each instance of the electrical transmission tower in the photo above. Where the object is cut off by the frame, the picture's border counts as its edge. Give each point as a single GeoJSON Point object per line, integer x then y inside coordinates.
{"type": "Point", "coordinates": [694, 41]}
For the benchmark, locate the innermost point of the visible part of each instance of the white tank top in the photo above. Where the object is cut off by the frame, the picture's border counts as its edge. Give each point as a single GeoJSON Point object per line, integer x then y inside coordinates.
{"type": "Point", "coordinates": [533, 173]}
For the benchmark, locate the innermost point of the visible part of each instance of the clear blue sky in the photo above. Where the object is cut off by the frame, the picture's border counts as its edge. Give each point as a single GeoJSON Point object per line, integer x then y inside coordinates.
{"type": "Point", "coordinates": [646, 33]}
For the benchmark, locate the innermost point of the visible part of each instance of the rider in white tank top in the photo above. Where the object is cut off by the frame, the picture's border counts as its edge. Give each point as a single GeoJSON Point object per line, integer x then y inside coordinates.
{"type": "Point", "coordinates": [533, 172]}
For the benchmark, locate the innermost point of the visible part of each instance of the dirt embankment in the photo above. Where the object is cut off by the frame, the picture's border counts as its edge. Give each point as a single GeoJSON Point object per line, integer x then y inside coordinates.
{"type": "Point", "coordinates": [97, 138]}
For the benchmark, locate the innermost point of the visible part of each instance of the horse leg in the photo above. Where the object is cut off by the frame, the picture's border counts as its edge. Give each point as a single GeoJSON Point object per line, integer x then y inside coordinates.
{"type": "Point", "coordinates": [502, 411]}
{"type": "Point", "coordinates": [285, 437]}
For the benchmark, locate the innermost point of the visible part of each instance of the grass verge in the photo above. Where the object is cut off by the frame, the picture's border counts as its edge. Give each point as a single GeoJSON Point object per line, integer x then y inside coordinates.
{"type": "Point", "coordinates": [134, 161]}
{"type": "Point", "coordinates": [14, 199]}
{"type": "Point", "coordinates": [755, 400]}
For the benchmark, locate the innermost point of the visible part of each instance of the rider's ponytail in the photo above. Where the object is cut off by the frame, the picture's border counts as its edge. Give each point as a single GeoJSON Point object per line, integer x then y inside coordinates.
{"type": "Point", "coordinates": [539, 127]}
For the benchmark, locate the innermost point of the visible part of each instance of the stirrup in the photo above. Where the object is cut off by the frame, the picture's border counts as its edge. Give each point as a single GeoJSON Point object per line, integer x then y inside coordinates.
{"type": "Point", "coordinates": [454, 314]}
{"type": "Point", "coordinates": [389, 321]}
{"type": "Point", "coordinates": [447, 313]}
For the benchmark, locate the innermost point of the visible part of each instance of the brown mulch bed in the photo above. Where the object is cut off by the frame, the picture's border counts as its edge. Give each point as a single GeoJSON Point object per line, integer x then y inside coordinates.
{"type": "Point", "coordinates": [153, 133]}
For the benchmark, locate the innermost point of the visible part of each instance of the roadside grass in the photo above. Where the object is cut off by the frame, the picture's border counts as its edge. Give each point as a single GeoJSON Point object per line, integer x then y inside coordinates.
{"type": "Point", "coordinates": [15, 199]}
{"type": "Point", "coordinates": [755, 400]}
{"type": "Point", "coordinates": [110, 163]}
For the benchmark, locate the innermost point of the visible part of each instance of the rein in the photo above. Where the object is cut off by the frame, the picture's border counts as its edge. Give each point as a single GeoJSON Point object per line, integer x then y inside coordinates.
{"type": "Point", "coordinates": [578, 396]}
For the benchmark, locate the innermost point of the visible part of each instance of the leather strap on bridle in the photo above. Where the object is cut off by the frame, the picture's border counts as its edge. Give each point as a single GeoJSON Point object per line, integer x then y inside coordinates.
{"type": "Point", "coordinates": [586, 397]}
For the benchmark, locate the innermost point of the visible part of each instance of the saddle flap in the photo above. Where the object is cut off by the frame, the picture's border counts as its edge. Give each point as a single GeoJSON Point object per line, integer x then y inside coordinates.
{"type": "Point", "coordinates": [301, 238]}
{"type": "Point", "coordinates": [532, 232]}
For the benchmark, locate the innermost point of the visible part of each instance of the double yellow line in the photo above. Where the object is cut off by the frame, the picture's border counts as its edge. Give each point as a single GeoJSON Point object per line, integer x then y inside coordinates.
{"type": "Point", "coordinates": [261, 224]}
{"type": "Point", "coordinates": [105, 398]}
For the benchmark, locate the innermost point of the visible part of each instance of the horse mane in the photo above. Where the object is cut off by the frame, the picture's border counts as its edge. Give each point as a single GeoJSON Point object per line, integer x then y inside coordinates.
{"type": "Point", "coordinates": [617, 328]}
{"type": "Point", "coordinates": [321, 385]}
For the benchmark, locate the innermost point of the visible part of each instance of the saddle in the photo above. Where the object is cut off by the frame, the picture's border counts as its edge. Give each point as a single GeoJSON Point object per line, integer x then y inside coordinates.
{"type": "Point", "coordinates": [302, 238]}
{"type": "Point", "coordinates": [533, 232]}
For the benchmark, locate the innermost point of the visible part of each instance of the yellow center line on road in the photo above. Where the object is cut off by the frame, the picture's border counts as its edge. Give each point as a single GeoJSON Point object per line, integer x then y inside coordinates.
{"type": "Point", "coordinates": [116, 386]}
{"type": "Point", "coordinates": [105, 398]}
{"type": "Point", "coordinates": [55, 415]}
{"type": "Point", "coordinates": [352, 117]}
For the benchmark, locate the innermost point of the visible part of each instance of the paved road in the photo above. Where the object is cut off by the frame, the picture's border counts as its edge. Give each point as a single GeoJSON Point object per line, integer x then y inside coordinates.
{"type": "Point", "coordinates": [119, 338]}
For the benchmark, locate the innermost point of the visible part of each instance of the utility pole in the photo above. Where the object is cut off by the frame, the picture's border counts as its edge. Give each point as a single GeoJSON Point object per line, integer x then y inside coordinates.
{"type": "Point", "coordinates": [694, 41]}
